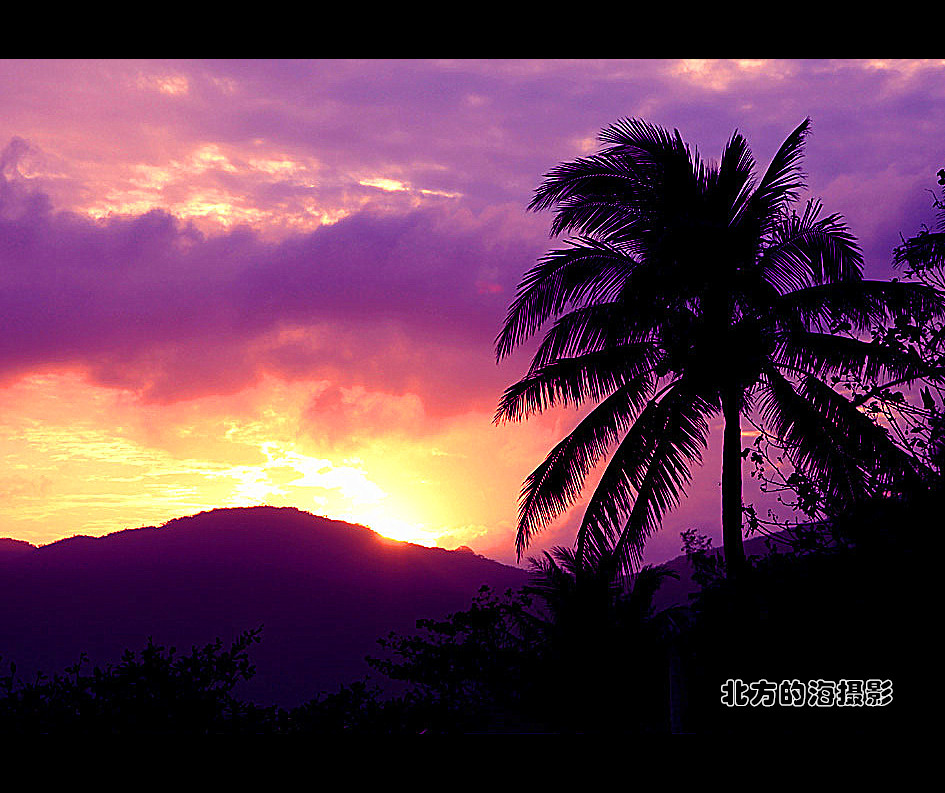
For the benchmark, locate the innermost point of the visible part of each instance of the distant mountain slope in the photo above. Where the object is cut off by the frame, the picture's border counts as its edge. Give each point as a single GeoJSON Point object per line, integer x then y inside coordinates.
{"type": "Point", "coordinates": [679, 592]}
{"type": "Point", "coordinates": [324, 591]}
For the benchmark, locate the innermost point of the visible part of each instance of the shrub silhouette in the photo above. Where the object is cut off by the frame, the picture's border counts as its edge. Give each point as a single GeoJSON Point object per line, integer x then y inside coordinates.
{"type": "Point", "coordinates": [155, 690]}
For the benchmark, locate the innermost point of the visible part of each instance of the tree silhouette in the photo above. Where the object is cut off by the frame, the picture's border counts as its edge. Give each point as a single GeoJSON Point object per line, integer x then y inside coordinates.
{"type": "Point", "coordinates": [686, 290]}
{"type": "Point", "coordinates": [912, 411]}
{"type": "Point", "coordinates": [470, 669]}
{"type": "Point", "coordinates": [917, 424]}
{"type": "Point", "coordinates": [583, 600]}
{"type": "Point", "coordinates": [154, 691]}
{"type": "Point", "coordinates": [605, 643]}
{"type": "Point", "coordinates": [589, 634]}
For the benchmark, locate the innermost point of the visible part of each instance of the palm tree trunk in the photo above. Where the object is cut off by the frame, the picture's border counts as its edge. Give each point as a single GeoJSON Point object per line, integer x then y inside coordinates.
{"type": "Point", "coordinates": [732, 484]}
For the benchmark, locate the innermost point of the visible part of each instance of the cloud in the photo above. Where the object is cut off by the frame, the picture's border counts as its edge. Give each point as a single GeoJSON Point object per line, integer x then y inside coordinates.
{"type": "Point", "coordinates": [403, 302]}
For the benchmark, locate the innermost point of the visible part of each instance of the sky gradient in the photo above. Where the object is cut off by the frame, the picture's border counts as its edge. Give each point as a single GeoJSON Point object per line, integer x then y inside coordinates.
{"type": "Point", "coordinates": [232, 283]}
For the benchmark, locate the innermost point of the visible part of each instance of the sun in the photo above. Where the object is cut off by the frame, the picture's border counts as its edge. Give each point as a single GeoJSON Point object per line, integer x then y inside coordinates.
{"type": "Point", "coordinates": [395, 528]}
{"type": "Point", "coordinates": [342, 491]}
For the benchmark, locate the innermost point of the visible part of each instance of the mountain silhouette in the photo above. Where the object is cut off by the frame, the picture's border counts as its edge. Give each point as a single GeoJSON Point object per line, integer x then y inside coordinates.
{"type": "Point", "coordinates": [323, 590]}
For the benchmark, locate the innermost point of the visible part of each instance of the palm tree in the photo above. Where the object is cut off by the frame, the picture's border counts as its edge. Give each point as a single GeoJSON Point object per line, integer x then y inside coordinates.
{"type": "Point", "coordinates": [592, 599]}
{"type": "Point", "coordinates": [686, 290]}
{"type": "Point", "coordinates": [603, 631]}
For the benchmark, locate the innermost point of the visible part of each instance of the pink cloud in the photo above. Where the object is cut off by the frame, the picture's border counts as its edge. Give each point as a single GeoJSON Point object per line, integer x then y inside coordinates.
{"type": "Point", "coordinates": [149, 303]}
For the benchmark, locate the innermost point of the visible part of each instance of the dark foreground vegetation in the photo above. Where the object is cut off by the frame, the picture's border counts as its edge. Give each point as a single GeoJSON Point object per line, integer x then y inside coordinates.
{"type": "Point", "coordinates": [578, 651]}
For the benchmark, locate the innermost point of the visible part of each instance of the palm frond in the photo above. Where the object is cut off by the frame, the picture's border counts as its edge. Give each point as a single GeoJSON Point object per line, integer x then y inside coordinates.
{"type": "Point", "coordinates": [556, 484]}
{"type": "Point", "coordinates": [589, 328]}
{"type": "Point", "coordinates": [645, 310]}
{"type": "Point", "coordinates": [735, 181]}
{"type": "Point", "coordinates": [846, 453]}
{"type": "Point", "coordinates": [584, 270]}
{"type": "Point", "coordinates": [807, 250]}
{"type": "Point", "coordinates": [645, 583]}
{"type": "Point", "coordinates": [824, 354]}
{"type": "Point", "coordinates": [572, 381]}
{"type": "Point", "coordinates": [887, 464]}
{"type": "Point", "coordinates": [603, 217]}
{"type": "Point", "coordinates": [591, 177]}
{"type": "Point", "coordinates": [638, 136]}
{"type": "Point", "coordinates": [647, 474]}
{"type": "Point", "coordinates": [863, 304]}
{"type": "Point", "coordinates": [783, 180]}
{"type": "Point", "coordinates": [926, 249]}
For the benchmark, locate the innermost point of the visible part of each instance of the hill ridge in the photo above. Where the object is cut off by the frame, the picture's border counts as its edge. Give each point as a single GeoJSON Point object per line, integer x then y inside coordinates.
{"type": "Point", "coordinates": [324, 590]}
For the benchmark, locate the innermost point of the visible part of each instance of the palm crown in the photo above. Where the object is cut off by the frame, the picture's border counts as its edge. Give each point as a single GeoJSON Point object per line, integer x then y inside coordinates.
{"type": "Point", "coordinates": [686, 290]}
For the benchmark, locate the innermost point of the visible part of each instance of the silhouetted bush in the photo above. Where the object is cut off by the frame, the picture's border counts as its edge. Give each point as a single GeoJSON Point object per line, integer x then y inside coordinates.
{"type": "Point", "coordinates": [154, 691]}
{"type": "Point", "coordinates": [854, 608]}
{"type": "Point", "coordinates": [475, 670]}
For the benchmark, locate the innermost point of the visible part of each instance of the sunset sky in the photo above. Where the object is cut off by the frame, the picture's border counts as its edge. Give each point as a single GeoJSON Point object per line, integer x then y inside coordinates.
{"type": "Point", "coordinates": [230, 283]}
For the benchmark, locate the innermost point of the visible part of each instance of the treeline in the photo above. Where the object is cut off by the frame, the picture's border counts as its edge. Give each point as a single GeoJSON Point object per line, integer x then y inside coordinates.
{"type": "Point", "coordinates": [580, 651]}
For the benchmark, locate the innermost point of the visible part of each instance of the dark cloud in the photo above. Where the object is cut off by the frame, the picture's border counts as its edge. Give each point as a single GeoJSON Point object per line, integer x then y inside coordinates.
{"type": "Point", "coordinates": [406, 302]}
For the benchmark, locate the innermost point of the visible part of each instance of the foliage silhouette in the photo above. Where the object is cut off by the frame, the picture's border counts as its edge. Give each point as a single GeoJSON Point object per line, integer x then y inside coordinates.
{"type": "Point", "coordinates": [154, 691]}
{"type": "Point", "coordinates": [911, 409]}
{"type": "Point", "coordinates": [588, 635]}
{"type": "Point", "coordinates": [602, 634]}
{"type": "Point", "coordinates": [855, 605]}
{"type": "Point", "coordinates": [580, 650]}
{"type": "Point", "coordinates": [358, 708]}
{"type": "Point", "coordinates": [917, 424]}
{"type": "Point", "coordinates": [474, 668]}
{"type": "Point", "coordinates": [689, 290]}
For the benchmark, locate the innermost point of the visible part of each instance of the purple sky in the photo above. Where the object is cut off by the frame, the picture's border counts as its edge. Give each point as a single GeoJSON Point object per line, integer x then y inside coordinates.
{"type": "Point", "coordinates": [215, 273]}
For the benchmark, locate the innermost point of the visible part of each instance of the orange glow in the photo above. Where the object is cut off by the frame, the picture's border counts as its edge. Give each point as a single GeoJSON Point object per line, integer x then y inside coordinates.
{"type": "Point", "coordinates": [83, 459]}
